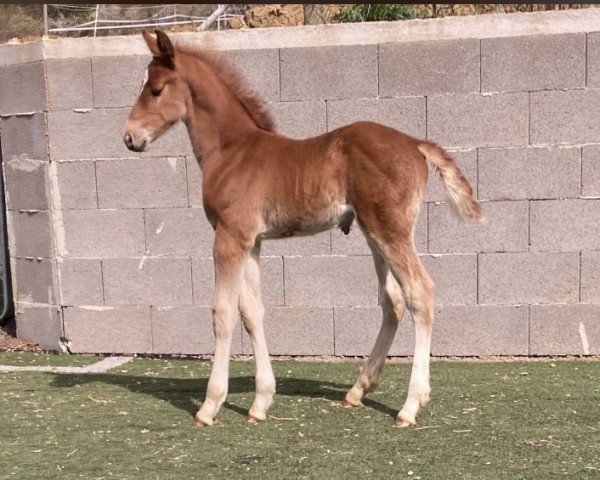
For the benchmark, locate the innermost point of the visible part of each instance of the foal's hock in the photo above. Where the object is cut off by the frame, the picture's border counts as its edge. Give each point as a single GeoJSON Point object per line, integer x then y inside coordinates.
{"type": "Point", "coordinates": [258, 184]}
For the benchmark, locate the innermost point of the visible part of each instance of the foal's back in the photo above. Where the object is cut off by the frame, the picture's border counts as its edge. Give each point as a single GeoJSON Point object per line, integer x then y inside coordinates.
{"type": "Point", "coordinates": [306, 186]}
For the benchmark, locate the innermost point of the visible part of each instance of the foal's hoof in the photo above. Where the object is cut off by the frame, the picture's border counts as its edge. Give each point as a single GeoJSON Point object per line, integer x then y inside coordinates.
{"type": "Point", "coordinates": [347, 404]}
{"type": "Point", "coordinates": [200, 423]}
{"type": "Point", "coordinates": [403, 422]}
{"type": "Point", "coordinates": [251, 419]}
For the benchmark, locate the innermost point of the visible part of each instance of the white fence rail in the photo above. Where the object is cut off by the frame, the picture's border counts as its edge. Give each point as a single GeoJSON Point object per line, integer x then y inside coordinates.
{"type": "Point", "coordinates": [151, 16]}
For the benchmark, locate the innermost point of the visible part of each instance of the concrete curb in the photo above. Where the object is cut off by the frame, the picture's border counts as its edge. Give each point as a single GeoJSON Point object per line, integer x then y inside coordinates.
{"type": "Point", "coordinates": [99, 367]}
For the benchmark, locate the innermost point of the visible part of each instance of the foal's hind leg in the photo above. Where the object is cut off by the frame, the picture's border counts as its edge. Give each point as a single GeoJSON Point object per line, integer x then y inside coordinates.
{"type": "Point", "coordinates": [229, 257]}
{"type": "Point", "coordinates": [393, 306]}
{"type": "Point", "coordinates": [252, 313]}
{"type": "Point", "coordinates": [419, 294]}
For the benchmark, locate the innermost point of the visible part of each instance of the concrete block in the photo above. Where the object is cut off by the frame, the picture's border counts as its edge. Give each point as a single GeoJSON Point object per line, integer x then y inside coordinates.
{"type": "Point", "coordinates": [179, 232]}
{"type": "Point", "coordinates": [300, 119]}
{"type": "Point", "coordinates": [194, 182]}
{"type": "Point", "coordinates": [24, 137]}
{"type": "Point", "coordinates": [356, 330]}
{"type": "Point", "coordinates": [569, 116]}
{"type": "Point", "coordinates": [25, 185]}
{"type": "Point", "coordinates": [32, 234]}
{"type": "Point", "coordinates": [271, 275]}
{"type": "Point", "coordinates": [203, 280]}
{"type": "Point", "coordinates": [88, 134]}
{"type": "Point", "coordinates": [329, 72]}
{"type": "Point", "coordinates": [590, 171]}
{"type": "Point", "coordinates": [35, 280]}
{"type": "Point", "coordinates": [404, 114]}
{"type": "Point", "coordinates": [141, 183]}
{"type": "Point", "coordinates": [533, 62]}
{"type": "Point", "coordinates": [330, 281]}
{"type": "Point", "coordinates": [108, 329]}
{"type": "Point", "coordinates": [455, 278]}
{"type": "Point", "coordinates": [81, 281]}
{"type": "Point", "coordinates": [147, 281]}
{"type": "Point", "coordinates": [505, 229]}
{"type": "Point", "coordinates": [297, 331]}
{"type": "Point", "coordinates": [355, 243]}
{"type": "Point", "coordinates": [259, 67]}
{"type": "Point", "coordinates": [467, 162]}
{"type": "Point", "coordinates": [565, 225]}
{"type": "Point", "coordinates": [103, 233]}
{"type": "Point", "coordinates": [481, 330]}
{"type": "Point", "coordinates": [21, 53]}
{"type": "Point", "coordinates": [69, 83]}
{"type": "Point", "coordinates": [590, 277]}
{"type": "Point", "coordinates": [529, 173]}
{"type": "Point", "coordinates": [565, 330]}
{"type": "Point", "coordinates": [187, 330]}
{"type": "Point", "coordinates": [41, 325]}
{"type": "Point", "coordinates": [319, 244]}
{"type": "Point", "coordinates": [429, 67]}
{"type": "Point", "coordinates": [23, 88]}
{"type": "Point", "coordinates": [593, 60]}
{"type": "Point", "coordinates": [478, 120]}
{"type": "Point", "coordinates": [77, 185]}
{"type": "Point", "coordinates": [515, 278]}
{"type": "Point", "coordinates": [117, 81]}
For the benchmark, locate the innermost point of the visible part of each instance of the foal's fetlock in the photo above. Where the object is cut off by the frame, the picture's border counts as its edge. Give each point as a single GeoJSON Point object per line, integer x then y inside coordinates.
{"type": "Point", "coordinates": [424, 398]}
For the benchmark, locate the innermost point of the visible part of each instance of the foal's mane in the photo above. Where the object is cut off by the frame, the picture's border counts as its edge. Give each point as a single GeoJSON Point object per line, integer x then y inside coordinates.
{"type": "Point", "coordinates": [236, 84]}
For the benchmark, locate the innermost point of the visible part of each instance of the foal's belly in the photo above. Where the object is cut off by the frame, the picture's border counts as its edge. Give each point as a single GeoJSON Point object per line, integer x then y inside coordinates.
{"type": "Point", "coordinates": [340, 215]}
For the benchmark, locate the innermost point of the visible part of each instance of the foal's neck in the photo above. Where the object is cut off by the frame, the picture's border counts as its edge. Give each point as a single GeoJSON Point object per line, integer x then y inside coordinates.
{"type": "Point", "coordinates": [216, 119]}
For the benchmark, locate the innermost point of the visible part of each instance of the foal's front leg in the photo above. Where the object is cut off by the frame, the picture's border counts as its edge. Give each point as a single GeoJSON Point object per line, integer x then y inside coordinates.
{"type": "Point", "coordinates": [229, 259]}
{"type": "Point", "coordinates": [252, 313]}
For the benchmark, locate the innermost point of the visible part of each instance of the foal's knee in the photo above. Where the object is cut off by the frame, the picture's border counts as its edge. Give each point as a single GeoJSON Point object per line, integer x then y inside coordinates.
{"type": "Point", "coordinates": [420, 299]}
{"type": "Point", "coordinates": [392, 302]}
{"type": "Point", "coordinates": [223, 320]}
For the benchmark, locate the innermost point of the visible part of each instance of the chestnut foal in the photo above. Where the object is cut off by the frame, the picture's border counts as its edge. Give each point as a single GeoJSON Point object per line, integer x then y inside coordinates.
{"type": "Point", "coordinates": [258, 184]}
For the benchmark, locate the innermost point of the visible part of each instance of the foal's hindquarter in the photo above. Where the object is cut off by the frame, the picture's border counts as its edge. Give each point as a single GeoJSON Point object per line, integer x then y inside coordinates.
{"type": "Point", "coordinates": [288, 187]}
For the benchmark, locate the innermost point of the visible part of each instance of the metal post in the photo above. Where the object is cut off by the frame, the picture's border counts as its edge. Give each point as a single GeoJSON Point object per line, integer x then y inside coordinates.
{"type": "Point", "coordinates": [96, 19]}
{"type": "Point", "coordinates": [45, 13]}
{"type": "Point", "coordinates": [212, 17]}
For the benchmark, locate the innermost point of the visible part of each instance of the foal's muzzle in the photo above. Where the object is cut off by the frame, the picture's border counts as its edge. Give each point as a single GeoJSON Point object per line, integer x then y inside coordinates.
{"type": "Point", "coordinates": [132, 146]}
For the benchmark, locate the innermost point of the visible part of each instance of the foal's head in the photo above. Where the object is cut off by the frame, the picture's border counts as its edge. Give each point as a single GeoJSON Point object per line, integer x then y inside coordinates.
{"type": "Point", "coordinates": [164, 97]}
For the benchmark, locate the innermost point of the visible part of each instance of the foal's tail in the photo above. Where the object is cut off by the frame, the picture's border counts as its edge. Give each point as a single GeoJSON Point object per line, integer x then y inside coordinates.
{"type": "Point", "coordinates": [459, 189]}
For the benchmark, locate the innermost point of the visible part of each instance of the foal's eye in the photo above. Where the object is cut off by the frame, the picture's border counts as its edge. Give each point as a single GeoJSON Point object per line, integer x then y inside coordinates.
{"type": "Point", "coordinates": [156, 92]}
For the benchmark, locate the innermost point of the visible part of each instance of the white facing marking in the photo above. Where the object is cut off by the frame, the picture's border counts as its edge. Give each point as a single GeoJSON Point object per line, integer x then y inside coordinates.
{"type": "Point", "coordinates": [584, 340]}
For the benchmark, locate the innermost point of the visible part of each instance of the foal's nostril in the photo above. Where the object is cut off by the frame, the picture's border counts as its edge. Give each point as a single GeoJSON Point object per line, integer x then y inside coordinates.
{"type": "Point", "coordinates": [128, 140]}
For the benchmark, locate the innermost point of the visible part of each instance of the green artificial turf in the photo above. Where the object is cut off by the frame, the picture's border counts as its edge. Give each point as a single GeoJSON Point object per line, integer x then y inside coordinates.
{"type": "Point", "coordinates": [486, 421]}
{"type": "Point", "coordinates": [26, 359]}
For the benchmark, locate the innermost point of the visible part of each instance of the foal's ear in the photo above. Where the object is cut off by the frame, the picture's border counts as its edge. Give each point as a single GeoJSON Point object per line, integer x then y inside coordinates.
{"type": "Point", "coordinates": [160, 47]}
{"type": "Point", "coordinates": [152, 43]}
{"type": "Point", "coordinates": [164, 44]}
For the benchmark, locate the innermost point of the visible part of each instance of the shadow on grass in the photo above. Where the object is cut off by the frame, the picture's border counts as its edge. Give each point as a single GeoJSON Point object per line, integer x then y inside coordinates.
{"type": "Point", "coordinates": [187, 394]}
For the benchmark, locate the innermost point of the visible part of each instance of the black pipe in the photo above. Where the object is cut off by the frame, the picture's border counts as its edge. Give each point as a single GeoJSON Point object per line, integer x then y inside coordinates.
{"type": "Point", "coordinates": [8, 309]}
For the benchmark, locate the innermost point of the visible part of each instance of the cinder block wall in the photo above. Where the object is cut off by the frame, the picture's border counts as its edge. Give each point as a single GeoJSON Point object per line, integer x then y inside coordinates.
{"type": "Point", "coordinates": [111, 250]}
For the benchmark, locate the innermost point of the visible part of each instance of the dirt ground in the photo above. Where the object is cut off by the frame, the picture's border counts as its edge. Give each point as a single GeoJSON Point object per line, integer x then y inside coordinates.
{"type": "Point", "coordinates": [9, 342]}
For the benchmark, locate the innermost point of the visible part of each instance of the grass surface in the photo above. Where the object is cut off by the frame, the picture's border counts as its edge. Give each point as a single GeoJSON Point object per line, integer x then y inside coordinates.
{"type": "Point", "coordinates": [25, 359]}
{"type": "Point", "coordinates": [486, 421]}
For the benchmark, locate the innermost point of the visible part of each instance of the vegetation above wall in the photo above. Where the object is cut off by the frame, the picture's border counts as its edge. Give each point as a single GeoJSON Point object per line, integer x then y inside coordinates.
{"type": "Point", "coordinates": [20, 23]}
